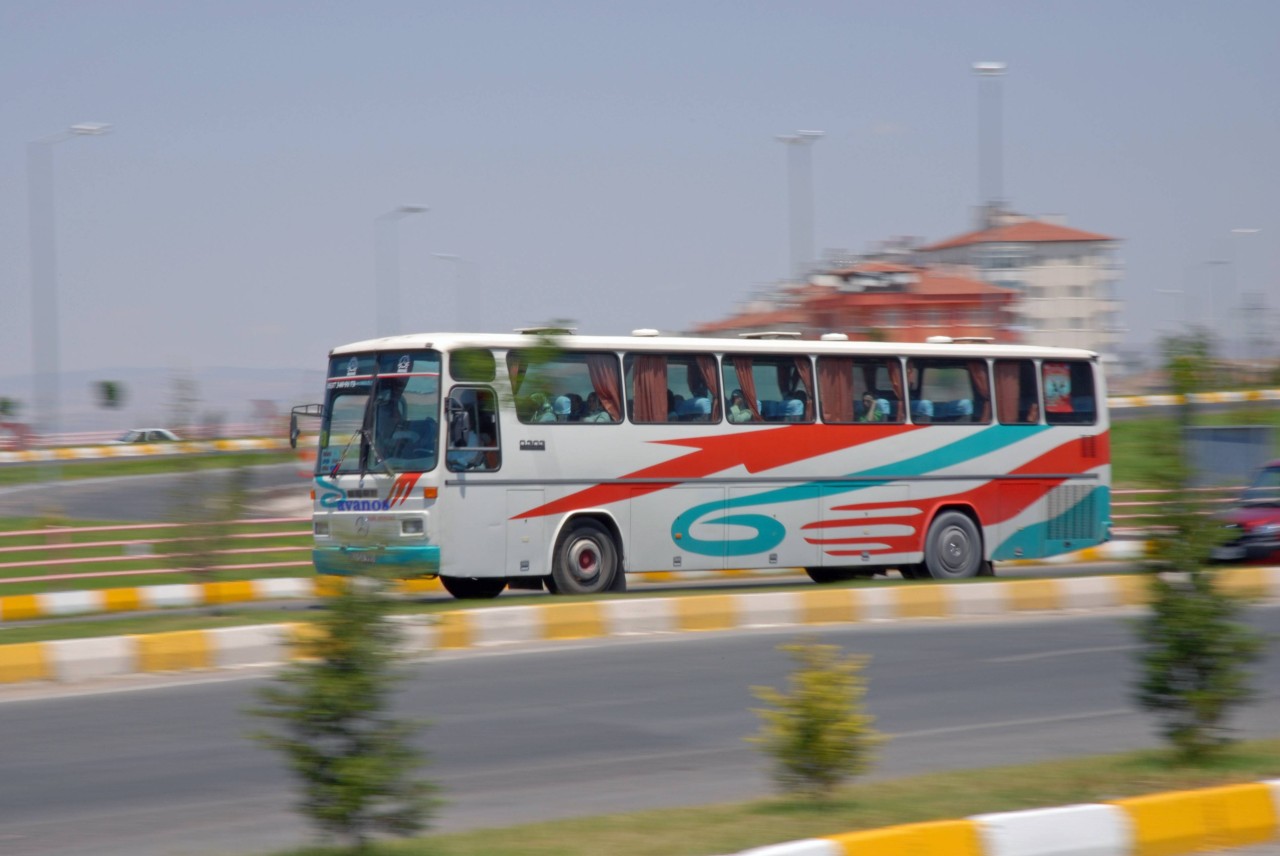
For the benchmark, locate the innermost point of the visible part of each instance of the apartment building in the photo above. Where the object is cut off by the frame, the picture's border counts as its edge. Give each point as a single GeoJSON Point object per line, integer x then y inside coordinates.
{"type": "Point", "coordinates": [1066, 278]}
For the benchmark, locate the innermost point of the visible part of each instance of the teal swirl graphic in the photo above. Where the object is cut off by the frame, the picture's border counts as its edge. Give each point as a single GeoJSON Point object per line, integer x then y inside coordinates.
{"type": "Point", "coordinates": [769, 532]}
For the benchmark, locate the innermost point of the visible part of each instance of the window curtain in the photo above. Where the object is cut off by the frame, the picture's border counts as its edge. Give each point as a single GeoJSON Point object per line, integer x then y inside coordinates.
{"type": "Point", "coordinates": [1008, 390]}
{"type": "Point", "coordinates": [895, 380]}
{"type": "Point", "coordinates": [707, 368]}
{"type": "Point", "coordinates": [835, 386]}
{"type": "Point", "coordinates": [747, 383]}
{"type": "Point", "coordinates": [517, 367]}
{"type": "Point", "coordinates": [650, 400]}
{"type": "Point", "coordinates": [604, 380]}
{"type": "Point", "coordinates": [804, 371]}
{"type": "Point", "coordinates": [982, 386]}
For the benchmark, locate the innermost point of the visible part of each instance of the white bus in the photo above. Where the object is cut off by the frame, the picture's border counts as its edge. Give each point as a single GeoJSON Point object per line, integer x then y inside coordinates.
{"type": "Point", "coordinates": [571, 461]}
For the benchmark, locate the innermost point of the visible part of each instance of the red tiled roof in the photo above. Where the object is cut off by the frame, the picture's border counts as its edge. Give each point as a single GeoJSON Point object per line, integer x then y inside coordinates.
{"type": "Point", "coordinates": [934, 284]}
{"type": "Point", "coordinates": [1028, 231]}
{"type": "Point", "coordinates": [874, 267]}
{"type": "Point", "coordinates": [752, 320]}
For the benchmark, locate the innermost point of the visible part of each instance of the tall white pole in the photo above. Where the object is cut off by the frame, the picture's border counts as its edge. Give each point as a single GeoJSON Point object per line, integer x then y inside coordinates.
{"type": "Point", "coordinates": [800, 191]}
{"type": "Point", "coordinates": [44, 275]}
{"type": "Point", "coordinates": [387, 266]}
{"type": "Point", "coordinates": [990, 137]}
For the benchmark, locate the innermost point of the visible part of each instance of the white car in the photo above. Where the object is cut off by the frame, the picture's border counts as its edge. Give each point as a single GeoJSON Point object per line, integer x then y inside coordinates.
{"type": "Point", "coordinates": [146, 435]}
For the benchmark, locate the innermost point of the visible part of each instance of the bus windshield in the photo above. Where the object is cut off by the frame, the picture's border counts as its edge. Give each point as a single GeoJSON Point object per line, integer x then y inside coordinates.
{"type": "Point", "coordinates": [381, 413]}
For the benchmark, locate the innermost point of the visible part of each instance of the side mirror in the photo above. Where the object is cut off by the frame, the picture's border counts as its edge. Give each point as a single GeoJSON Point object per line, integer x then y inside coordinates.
{"type": "Point", "coordinates": [314, 411]}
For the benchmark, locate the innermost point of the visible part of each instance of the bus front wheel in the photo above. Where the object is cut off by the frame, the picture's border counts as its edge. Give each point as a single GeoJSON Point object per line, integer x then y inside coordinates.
{"type": "Point", "coordinates": [586, 560]}
{"type": "Point", "coordinates": [474, 588]}
{"type": "Point", "coordinates": [953, 548]}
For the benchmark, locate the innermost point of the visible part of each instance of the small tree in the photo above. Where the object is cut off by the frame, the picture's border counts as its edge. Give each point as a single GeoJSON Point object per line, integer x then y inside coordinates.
{"type": "Point", "coordinates": [353, 759]}
{"type": "Point", "coordinates": [110, 394]}
{"type": "Point", "coordinates": [1195, 651]}
{"type": "Point", "coordinates": [1194, 662]}
{"type": "Point", "coordinates": [9, 407]}
{"type": "Point", "coordinates": [209, 508]}
{"type": "Point", "coordinates": [818, 734]}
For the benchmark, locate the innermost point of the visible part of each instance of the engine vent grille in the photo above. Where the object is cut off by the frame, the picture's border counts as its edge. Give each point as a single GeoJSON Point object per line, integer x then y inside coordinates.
{"type": "Point", "coordinates": [1073, 512]}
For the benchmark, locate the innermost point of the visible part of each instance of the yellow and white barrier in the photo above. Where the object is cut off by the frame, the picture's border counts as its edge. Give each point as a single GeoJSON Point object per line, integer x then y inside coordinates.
{"type": "Point", "coordinates": [1209, 819]}
{"type": "Point", "coordinates": [552, 621]}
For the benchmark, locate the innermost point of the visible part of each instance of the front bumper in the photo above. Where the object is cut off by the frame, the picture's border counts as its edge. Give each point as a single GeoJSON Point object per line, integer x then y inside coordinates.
{"type": "Point", "coordinates": [402, 562]}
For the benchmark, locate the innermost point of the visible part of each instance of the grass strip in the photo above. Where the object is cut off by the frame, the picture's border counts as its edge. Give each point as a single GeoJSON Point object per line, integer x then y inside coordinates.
{"type": "Point", "coordinates": [28, 473]}
{"type": "Point", "coordinates": [729, 828]}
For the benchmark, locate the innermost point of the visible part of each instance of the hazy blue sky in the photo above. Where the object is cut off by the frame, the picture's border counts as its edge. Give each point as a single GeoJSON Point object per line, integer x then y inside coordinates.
{"type": "Point", "coordinates": [614, 163]}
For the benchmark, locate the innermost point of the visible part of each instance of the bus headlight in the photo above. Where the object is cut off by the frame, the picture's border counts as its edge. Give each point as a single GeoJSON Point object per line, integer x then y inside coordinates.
{"type": "Point", "coordinates": [322, 528]}
{"type": "Point", "coordinates": [411, 526]}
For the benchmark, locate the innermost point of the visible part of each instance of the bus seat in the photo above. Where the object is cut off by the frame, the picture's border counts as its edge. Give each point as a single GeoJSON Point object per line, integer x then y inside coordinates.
{"type": "Point", "coordinates": [922, 410]}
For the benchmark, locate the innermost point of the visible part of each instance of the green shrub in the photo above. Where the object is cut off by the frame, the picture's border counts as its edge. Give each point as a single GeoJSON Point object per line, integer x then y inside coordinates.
{"type": "Point", "coordinates": [817, 734]}
{"type": "Point", "coordinates": [354, 760]}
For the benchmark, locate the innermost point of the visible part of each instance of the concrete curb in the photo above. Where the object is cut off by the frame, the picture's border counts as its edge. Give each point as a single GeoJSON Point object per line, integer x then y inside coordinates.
{"type": "Point", "coordinates": [1169, 823]}
{"type": "Point", "coordinates": [86, 659]}
{"type": "Point", "coordinates": [26, 607]}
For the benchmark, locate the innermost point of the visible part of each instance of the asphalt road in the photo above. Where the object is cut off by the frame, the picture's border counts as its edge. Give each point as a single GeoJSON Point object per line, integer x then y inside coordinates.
{"type": "Point", "coordinates": [137, 499]}
{"type": "Point", "coordinates": [567, 730]}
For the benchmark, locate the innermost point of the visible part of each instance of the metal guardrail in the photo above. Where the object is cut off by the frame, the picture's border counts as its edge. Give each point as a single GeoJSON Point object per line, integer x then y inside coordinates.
{"type": "Point", "coordinates": [153, 550]}
{"type": "Point", "coordinates": [144, 450]}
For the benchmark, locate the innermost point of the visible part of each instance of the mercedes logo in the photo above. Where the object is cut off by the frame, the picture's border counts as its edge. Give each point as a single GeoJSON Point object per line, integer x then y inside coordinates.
{"type": "Point", "coordinates": [362, 525]}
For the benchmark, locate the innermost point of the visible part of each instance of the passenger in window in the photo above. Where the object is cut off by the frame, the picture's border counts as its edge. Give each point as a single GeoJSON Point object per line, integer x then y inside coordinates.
{"type": "Point", "coordinates": [738, 409]}
{"type": "Point", "coordinates": [870, 412]}
{"type": "Point", "coordinates": [595, 411]}
{"type": "Point", "coordinates": [542, 408]}
{"type": "Point", "coordinates": [795, 407]}
{"type": "Point", "coordinates": [561, 408]}
{"type": "Point", "coordinates": [462, 435]}
{"type": "Point", "coordinates": [575, 406]}
{"type": "Point", "coordinates": [699, 406]}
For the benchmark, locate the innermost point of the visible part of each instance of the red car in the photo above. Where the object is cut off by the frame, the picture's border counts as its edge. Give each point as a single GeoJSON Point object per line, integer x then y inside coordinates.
{"type": "Point", "coordinates": [1255, 522]}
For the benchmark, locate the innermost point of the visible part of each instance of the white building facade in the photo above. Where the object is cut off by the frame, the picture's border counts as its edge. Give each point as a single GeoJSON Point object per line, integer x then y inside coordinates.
{"type": "Point", "coordinates": [1067, 278]}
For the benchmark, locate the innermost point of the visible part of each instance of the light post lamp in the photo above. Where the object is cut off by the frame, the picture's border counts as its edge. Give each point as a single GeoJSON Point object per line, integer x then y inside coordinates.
{"type": "Point", "coordinates": [990, 138]}
{"type": "Point", "coordinates": [800, 191]}
{"type": "Point", "coordinates": [44, 272]}
{"type": "Point", "coordinates": [1252, 320]}
{"type": "Point", "coordinates": [387, 265]}
{"type": "Point", "coordinates": [457, 310]}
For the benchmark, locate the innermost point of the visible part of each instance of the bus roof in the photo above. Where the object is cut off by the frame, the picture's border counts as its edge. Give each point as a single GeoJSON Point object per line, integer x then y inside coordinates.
{"type": "Point", "coordinates": [753, 345]}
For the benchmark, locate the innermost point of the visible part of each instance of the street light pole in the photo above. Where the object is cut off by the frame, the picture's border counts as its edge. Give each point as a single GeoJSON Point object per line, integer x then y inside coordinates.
{"type": "Point", "coordinates": [457, 314]}
{"type": "Point", "coordinates": [1253, 331]}
{"type": "Point", "coordinates": [44, 273]}
{"type": "Point", "coordinates": [990, 138]}
{"type": "Point", "coordinates": [387, 265]}
{"type": "Point", "coordinates": [800, 191]}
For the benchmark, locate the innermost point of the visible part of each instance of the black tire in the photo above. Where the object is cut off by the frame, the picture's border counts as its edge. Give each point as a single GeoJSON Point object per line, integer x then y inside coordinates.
{"type": "Point", "coordinates": [474, 588]}
{"type": "Point", "coordinates": [586, 560]}
{"type": "Point", "coordinates": [953, 548]}
{"type": "Point", "coordinates": [822, 576]}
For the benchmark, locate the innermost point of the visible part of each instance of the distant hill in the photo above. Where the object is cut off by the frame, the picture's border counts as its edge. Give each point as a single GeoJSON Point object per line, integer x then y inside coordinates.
{"type": "Point", "coordinates": [152, 396]}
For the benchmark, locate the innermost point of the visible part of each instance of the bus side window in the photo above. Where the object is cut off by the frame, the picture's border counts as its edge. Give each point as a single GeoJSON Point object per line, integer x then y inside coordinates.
{"type": "Point", "coordinates": [1069, 395]}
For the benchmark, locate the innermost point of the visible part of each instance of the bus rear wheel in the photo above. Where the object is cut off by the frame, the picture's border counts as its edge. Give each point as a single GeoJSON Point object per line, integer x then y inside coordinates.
{"type": "Point", "coordinates": [953, 548]}
{"type": "Point", "coordinates": [474, 588]}
{"type": "Point", "coordinates": [586, 560]}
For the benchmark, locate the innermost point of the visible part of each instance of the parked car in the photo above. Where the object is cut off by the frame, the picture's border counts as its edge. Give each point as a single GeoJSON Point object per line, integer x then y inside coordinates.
{"type": "Point", "coordinates": [147, 435]}
{"type": "Point", "coordinates": [1254, 523]}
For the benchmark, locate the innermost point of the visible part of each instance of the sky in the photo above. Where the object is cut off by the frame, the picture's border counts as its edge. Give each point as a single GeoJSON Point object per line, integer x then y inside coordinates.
{"type": "Point", "coordinates": [612, 163]}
